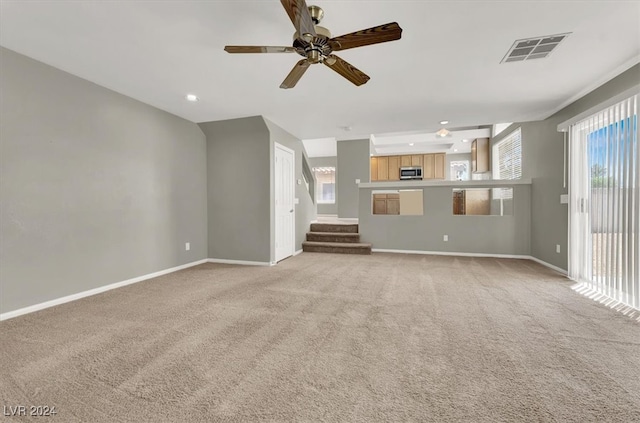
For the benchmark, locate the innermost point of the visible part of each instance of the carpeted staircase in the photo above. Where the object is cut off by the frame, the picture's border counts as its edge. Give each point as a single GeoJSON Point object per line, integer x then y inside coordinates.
{"type": "Point", "coordinates": [335, 238]}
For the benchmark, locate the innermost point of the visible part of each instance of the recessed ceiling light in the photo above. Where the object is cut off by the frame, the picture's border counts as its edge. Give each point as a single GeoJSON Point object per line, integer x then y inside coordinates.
{"type": "Point", "coordinates": [455, 150]}
{"type": "Point", "coordinates": [191, 97]}
{"type": "Point", "coordinates": [444, 122]}
{"type": "Point", "coordinates": [465, 140]}
{"type": "Point", "coordinates": [411, 144]}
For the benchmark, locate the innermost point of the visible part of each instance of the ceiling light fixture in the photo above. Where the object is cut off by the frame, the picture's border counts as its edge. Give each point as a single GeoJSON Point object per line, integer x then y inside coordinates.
{"type": "Point", "coordinates": [411, 144]}
{"type": "Point", "coordinates": [444, 122]}
{"type": "Point", "coordinates": [191, 97]}
{"type": "Point", "coordinates": [465, 140]}
{"type": "Point", "coordinates": [455, 150]}
{"type": "Point", "coordinates": [442, 133]}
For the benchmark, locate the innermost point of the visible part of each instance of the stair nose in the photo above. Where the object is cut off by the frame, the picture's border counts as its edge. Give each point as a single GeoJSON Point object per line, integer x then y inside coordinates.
{"type": "Point", "coordinates": [333, 237]}
{"type": "Point", "coordinates": [335, 227]}
{"type": "Point", "coordinates": [336, 247]}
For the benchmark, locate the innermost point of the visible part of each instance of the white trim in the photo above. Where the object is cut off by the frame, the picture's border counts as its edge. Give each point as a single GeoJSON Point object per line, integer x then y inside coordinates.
{"type": "Point", "coordinates": [449, 253]}
{"type": "Point", "coordinates": [90, 292]}
{"type": "Point", "coordinates": [241, 262]}
{"type": "Point", "coordinates": [297, 252]}
{"type": "Point", "coordinates": [452, 253]}
{"type": "Point", "coordinates": [593, 86]}
{"type": "Point", "coordinates": [347, 219]}
{"type": "Point", "coordinates": [550, 266]}
{"type": "Point", "coordinates": [564, 126]}
{"type": "Point", "coordinates": [293, 192]}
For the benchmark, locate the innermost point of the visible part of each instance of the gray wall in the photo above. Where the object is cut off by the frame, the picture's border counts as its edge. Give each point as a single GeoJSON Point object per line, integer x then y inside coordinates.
{"type": "Point", "coordinates": [327, 162]}
{"type": "Point", "coordinates": [543, 158]}
{"type": "Point", "coordinates": [353, 163]}
{"type": "Point", "coordinates": [306, 208]}
{"type": "Point", "coordinates": [96, 187]}
{"type": "Point", "coordinates": [239, 189]}
{"type": "Point", "coordinates": [467, 234]}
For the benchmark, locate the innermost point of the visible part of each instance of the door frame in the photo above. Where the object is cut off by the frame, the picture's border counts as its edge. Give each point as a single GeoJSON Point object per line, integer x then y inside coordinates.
{"type": "Point", "coordinates": [293, 201]}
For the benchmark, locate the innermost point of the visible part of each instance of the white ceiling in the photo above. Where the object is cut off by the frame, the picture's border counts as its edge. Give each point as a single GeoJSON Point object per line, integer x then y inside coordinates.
{"type": "Point", "coordinates": [446, 66]}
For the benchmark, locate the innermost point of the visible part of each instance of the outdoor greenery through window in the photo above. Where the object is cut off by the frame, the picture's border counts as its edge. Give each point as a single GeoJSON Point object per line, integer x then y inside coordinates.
{"type": "Point", "coordinates": [326, 179]}
{"type": "Point", "coordinates": [507, 161]}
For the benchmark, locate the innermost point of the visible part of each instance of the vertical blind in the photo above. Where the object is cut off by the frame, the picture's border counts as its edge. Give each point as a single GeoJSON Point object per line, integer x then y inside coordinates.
{"type": "Point", "coordinates": [604, 208]}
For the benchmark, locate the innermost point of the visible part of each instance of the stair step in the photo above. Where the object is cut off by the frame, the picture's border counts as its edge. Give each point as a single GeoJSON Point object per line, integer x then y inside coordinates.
{"type": "Point", "coordinates": [335, 227]}
{"type": "Point", "coordinates": [333, 237]}
{"type": "Point", "coordinates": [336, 247]}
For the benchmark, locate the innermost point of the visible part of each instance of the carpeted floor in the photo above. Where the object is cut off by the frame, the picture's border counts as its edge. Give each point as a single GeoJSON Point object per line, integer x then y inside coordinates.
{"type": "Point", "coordinates": [335, 338]}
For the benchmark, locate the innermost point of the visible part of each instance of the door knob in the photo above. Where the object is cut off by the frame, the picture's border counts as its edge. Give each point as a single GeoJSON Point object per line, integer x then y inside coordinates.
{"type": "Point", "coordinates": [291, 211]}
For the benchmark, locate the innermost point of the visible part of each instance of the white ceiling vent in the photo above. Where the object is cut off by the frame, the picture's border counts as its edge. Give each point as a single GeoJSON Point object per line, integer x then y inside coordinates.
{"type": "Point", "coordinates": [533, 48]}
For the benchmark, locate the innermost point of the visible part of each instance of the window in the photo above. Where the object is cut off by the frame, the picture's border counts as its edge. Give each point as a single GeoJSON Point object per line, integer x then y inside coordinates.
{"type": "Point", "coordinates": [459, 170]}
{"type": "Point", "coordinates": [507, 157]}
{"type": "Point", "coordinates": [507, 162]}
{"type": "Point", "coordinates": [326, 178]}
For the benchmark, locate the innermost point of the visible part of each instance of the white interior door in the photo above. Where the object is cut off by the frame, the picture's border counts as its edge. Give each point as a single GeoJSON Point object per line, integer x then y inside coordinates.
{"type": "Point", "coordinates": [284, 193]}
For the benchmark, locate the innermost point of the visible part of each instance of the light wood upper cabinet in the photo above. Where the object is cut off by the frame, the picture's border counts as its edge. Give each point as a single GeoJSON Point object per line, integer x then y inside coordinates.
{"type": "Point", "coordinates": [440, 161]}
{"type": "Point", "coordinates": [394, 168]}
{"type": "Point", "coordinates": [428, 170]}
{"type": "Point", "coordinates": [480, 155]}
{"type": "Point", "coordinates": [387, 168]}
{"type": "Point", "coordinates": [374, 169]}
{"type": "Point", "coordinates": [383, 168]}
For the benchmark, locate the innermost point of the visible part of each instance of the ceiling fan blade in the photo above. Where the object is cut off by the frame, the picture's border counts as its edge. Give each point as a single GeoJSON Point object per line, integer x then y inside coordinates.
{"type": "Point", "coordinates": [365, 37]}
{"type": "Point", "coordinates": [258, 49]}
{"type": "Point", "coordinates": [296, 73]}
{"type": "Point", "coordinates": [298, 12]}
{"type": "Point", "coordinates": [347, 70]}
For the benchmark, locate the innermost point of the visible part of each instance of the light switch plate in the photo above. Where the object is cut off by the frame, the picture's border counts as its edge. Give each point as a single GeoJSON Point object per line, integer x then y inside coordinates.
{"type": "Point", "coordinates": [564, 198]}
{"type": "Point", "coordinates": [357, 181]}
{"type": "Point", "coordinates": [299, 181]}
{"type": "Point", "coordinates": [187, 246]}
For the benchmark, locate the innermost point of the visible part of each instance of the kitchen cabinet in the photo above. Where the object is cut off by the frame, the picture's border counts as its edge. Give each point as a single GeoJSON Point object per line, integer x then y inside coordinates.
{"type": "Point", "coordinates": [387, 168]}
{"type": "Point", "coordinates": [386, 203]}
{"type": "Point", "coordinates": [434, 166]}
{"type": "Point", "coordinates": [439, 168]}
{"type": "Point", "coordinates": [475, 201]}
{"type": "Point", "coordinates": [383, 168]}
{"type": "Point", "coordinates": [374, 169]}
{"type": "Point", "coordinates": [428, 170]}
{"type": "Point", "coordinates": [394, 168]}
{"type": "Point", "coordinates": [480, 155]}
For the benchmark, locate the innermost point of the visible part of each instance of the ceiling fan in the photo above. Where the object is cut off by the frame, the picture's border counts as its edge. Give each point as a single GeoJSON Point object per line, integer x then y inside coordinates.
{"type": "Point", "coordinates": [315, 44]}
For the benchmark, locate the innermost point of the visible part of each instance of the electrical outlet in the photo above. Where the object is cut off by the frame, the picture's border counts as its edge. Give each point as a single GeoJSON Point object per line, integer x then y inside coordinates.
{"type": "Point", "coordinates": [445, 238]}
{"type": "Point", "coordinates": [187, 246]}
{"type": "Point", "coordinates": [557, 248]}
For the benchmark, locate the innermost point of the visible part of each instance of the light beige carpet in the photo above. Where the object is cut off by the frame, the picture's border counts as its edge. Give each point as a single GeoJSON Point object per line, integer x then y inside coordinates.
{"type": "Point", "coordinates": [335, 338]}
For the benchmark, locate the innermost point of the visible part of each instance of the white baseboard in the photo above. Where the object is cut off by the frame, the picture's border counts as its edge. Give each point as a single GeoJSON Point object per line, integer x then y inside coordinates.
{"type": "Point", "coordinates": [448, 253]}
{"type": "Point", "coordinates": [241, 262]}
{"type": "Point", "coordinates": [550, 266]}
{"type": "Point", "coordinates": [297, 252]}
{"type": "Point", "coordinates": [90, 292]}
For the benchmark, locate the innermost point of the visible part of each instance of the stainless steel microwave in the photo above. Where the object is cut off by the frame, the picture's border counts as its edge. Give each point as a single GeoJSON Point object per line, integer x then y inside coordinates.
{"type": "Point", "coordinates": [413, 172]}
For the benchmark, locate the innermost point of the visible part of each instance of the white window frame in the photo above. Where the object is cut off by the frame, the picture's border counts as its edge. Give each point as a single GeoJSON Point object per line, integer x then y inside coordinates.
{"type": "Point", "coordinates": [319, 199]}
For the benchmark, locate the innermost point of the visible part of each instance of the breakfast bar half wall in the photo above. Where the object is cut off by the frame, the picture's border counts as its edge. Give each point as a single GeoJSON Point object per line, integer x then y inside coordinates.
{"type": "Point", "coordinates": [488, 217]}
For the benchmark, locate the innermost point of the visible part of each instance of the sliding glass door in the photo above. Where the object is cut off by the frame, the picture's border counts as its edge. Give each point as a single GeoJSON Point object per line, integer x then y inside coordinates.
{"type": "Point", "coordinates": [604, 206]}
